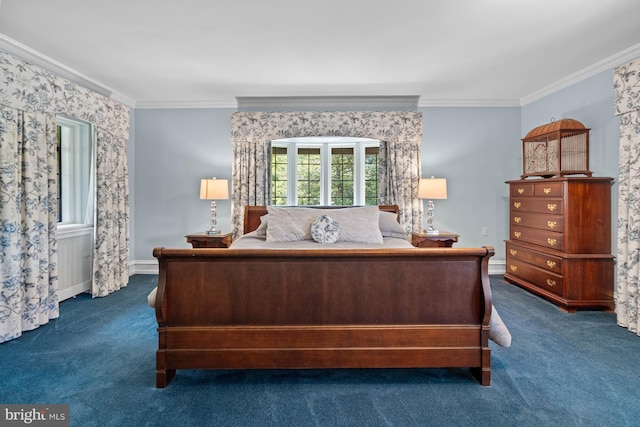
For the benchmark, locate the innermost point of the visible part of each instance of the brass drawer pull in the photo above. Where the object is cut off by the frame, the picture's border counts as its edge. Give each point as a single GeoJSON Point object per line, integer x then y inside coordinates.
{"type": "Point", "coordinates": [552, 224]}
{"type": "Point", "coordinates": [513, 252]}
{"type": "Point", "coordinates": [551, 282]}
{"type": "Point", "coordinates": [520, 190]}
{"type": "Point", "coordinates": [517, 219]}
{"type": "Point", "coordinates": [547, 190]}
{"type": "Point", "coordinates": [513, 268]}
{"type": "Point", "coordinates": [517, 234]}
{"type": "Point", "coordinates": [517, 205]}
{"type": "Point", "coordinates": [552, 242]}
{"type": "Point", "coordinates": [551, 264]}
{"type": "Point", "coordinates": [552, 206]}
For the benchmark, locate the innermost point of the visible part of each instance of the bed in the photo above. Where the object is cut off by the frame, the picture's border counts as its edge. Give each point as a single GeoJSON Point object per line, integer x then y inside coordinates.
{"type": "Point", "coordinates": [335, 303]}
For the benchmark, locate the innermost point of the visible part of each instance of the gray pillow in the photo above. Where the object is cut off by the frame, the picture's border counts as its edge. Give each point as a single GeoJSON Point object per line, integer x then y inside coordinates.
{"type": "Point", "coordinates": [390, 227]}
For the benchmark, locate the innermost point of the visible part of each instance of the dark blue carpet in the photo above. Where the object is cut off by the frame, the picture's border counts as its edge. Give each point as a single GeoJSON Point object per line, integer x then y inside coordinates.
{"type": "Point", "coordinates": [99, 357]}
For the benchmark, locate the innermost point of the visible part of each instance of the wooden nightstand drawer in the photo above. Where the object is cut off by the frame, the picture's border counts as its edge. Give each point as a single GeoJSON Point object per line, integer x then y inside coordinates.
{"type": "Point", "coordinates": [204, 240]}
{"type": "Point", "coordinates": [443, 239]}
{"type": "Point", "coordinates": [517, 253]}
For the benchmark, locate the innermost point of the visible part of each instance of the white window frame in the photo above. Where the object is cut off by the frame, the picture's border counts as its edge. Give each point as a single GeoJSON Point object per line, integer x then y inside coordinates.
{"type": "Point", "coordinates": [76, 150]}
{"type": "Point", "coordinates": [325, 144]}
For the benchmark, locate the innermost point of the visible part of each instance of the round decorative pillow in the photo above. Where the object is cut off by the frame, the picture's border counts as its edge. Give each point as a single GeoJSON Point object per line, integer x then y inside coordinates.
{"type": "Point", "coordinates": [325, 229]}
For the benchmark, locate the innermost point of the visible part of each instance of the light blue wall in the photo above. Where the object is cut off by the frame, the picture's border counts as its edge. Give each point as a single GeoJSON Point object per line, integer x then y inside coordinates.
{"type": "Point", "coordinates": [476, 148]}
{"type": "Point", "coordinates": [175, 148]}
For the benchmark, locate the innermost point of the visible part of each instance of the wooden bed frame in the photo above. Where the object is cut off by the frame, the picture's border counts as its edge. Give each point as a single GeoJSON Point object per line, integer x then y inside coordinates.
{"type": "Point", "coordinates": [325, 308]}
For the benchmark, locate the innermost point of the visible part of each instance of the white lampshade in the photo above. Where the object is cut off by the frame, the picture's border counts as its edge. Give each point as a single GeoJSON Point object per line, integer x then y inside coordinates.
{"type": "Point", "coordinates": [432, 188]}
{"type": "Point", "coordinates": [214, 189]}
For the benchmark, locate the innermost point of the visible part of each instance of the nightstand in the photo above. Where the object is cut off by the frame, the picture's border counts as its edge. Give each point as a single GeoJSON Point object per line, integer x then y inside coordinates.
{"type": "Point", "coordinates": [443, 239]}
{"type": "Point", "coordinates": [204, 240]}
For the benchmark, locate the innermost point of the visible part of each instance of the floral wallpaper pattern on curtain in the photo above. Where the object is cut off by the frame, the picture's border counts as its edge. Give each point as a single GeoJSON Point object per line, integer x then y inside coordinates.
{"type": "Point", "coordinates": [28, 221]}
{"type": "Point", "coordinates": [627, 105]}
{"type": "Point", "coordinates": [31, 89]}
{"type": "Point", "coordinates": [251, 133]}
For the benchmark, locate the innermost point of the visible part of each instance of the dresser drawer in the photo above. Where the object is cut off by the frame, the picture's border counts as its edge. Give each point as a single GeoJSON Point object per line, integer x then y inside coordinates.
{"type": "Point", "coordinates": [536, 204]}
{"type": "Point", "coordinates": [548, 189]}
{"type": "Point", "coordinates": [541, 278]}
{"type": "Point", "coordinates": [539, 259]}
{"type": "Point", "coordinates": [547, 239]}
{"type": "Point", "coordinates": [525, 189]}
{"type": "Point", "coordinates": [541, 221]}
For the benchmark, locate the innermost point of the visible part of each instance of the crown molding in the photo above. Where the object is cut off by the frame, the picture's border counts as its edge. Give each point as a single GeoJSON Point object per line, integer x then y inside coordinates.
{"type": "Point", "coordinates": [149, 105]}
{"type": "Point", "coordinates": [20, 50]}
{"type": "Point", "coordinates": [469, 103]}
{"type": "Point", "coordinates": [613, 61]}
{"type": "Point", "coordinates": [315, 103]}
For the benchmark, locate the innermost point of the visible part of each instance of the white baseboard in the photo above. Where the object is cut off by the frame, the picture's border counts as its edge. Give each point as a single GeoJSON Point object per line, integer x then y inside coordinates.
{"type": "Point", "coordinates": [151, 267]}
{"type": "Point", "coordinates": [72, 291]}
{"type": "Point", "coordinates": [144, 267]}
{"type": "Point", "coordinates": [498, 266]}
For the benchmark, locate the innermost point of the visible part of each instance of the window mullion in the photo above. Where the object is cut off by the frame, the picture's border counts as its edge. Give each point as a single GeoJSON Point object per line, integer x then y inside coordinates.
{"type": "Point", "coordinates": [358, 174]}
{"type": "Point", "coordinates": [292, 174]}
{"type": "Point", "coordinates": [325, 175]}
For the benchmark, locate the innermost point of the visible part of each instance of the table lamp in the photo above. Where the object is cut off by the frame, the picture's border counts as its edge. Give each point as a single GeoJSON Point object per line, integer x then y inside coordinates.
{"type": "Point", "coordinates": [214, 189]}
{"type": "Point", "coordinates": [430, 189]}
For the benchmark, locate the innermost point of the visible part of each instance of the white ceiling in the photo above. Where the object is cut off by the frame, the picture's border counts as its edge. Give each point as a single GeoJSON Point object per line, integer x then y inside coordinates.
{"type": "Point", "coordinates": [208, 52]}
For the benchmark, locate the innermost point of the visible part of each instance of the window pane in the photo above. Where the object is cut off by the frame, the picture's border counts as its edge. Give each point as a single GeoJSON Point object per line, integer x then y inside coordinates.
{"type": "Point", "coordinates": [309, 176]}
{"type": "Point", "coordinates": [279, 176]}
{"type": "Point", "coordinates": [342, 176]}
{"type": "Point", "coordinates": [59, 161]}
{"type": "Point", "coordinates": [74, 147]}
{"type": "Point", "coordinates": [371, 175]}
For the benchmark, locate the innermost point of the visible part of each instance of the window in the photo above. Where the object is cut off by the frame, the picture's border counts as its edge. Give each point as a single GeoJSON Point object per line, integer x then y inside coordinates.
{"type": "Point", "coordinates": [324, 171]}
{"type": "Point", "coordinates": [75, 169]}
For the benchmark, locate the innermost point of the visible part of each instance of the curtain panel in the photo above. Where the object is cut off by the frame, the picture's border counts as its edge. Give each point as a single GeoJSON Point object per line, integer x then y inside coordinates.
{"type": "Point", "coordinates": [38, 96]}
{"type": "Point", "coordinates": [28, 221]}
{"type": "Point", "coordinates": [627, 106]}
{"type": "Point", "coordinates": [400, 134]}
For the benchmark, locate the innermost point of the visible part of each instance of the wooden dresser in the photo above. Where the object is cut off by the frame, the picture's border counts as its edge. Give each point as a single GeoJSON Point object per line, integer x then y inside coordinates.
{"type": "Point", "coordinates": [559, 243]}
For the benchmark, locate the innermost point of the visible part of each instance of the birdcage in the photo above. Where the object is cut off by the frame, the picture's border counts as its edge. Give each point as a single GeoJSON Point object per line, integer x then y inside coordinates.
{"type": "Point", "coordinates": [556, 149]}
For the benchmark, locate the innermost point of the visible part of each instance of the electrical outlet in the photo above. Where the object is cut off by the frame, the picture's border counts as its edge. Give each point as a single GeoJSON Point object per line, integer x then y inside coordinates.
{"type": "Point", "coordinates": [485, 231]}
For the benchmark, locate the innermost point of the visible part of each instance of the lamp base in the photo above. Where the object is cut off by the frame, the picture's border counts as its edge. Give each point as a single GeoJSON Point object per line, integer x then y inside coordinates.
{"type": "Point", "coordinates": [213, 231]}
{"type": "Point", "coordinates": [431, 230]}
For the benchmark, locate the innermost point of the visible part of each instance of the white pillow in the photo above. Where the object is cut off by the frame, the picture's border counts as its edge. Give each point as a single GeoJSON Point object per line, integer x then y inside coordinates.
{"type": "Point", "coordinates": [325, 229]}
{"type": "Point", "coordinates": [390, 227]}
{"type": "Point", "coordinates": [498, 332]}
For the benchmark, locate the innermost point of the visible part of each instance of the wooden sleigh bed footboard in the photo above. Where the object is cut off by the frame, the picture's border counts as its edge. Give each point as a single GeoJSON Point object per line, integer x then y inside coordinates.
{"type": "Point", "coordinates": [378, 308]}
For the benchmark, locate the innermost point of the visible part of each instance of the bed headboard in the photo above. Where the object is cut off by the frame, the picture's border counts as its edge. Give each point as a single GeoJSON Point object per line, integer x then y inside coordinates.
{"type": "Point", "coordinates": [252, 214]}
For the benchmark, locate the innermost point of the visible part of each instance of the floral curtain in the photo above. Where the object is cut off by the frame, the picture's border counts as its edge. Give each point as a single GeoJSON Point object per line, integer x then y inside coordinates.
{"type": "Point", "coordinates": [31, 98]}
{"type": "Point", "coordinates": [28, 221]}
{"type": "Point", "coordinates": [627, 104]}
{"type": "Point", "coordinates": [400, 134]}
{"type": "Point", "coordinates": [111, 257]}
{"type": "Point", "coordinates": [399, 167]}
